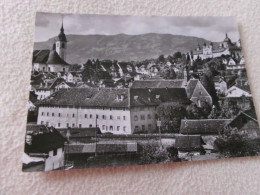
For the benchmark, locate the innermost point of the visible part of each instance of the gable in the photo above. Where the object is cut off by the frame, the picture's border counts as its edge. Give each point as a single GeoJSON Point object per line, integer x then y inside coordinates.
{"type": "Point", "coordinates": [236, 92]}
{"type": "Point", "coordinates": [199, 91]}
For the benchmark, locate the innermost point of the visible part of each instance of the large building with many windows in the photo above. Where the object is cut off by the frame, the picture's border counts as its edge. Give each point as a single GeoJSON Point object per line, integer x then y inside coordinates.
{"type": "Point", "coordinates": [118, 111]}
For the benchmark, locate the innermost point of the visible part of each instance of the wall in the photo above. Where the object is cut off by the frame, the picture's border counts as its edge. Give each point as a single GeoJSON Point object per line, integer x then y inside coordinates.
{"type": "Point", "coordinates": [227, 176]}
{"type": "Point", "coordinates": [54, 161]}
{"type": "Point", "coordinates": [82, 117]}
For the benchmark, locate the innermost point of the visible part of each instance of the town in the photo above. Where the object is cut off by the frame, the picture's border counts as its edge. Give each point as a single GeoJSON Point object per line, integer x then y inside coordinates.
{"type": "Point", "coordinates": [182, 107]}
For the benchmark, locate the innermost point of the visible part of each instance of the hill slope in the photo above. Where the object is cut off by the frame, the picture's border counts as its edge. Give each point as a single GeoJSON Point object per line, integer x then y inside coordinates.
{"type": "Point", "coordinates": [123, 47]}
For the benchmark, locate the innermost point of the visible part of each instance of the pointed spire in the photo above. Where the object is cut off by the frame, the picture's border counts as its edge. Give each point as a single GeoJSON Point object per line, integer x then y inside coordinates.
{"type": "Point", "coordinates": [226, 35]}
{"type": "Point", "coordinates": [62, 29]}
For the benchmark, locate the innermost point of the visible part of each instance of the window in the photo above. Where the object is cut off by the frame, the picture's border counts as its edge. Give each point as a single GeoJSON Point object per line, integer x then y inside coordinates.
{"type": "Point", "coordinates": [73, 125]}
{"type": "Point", "coordinates": [118, 128]}
{"type": "Point", "coordinates": [59, 114]}
{"type": "Point", "coordinates": [80, 126]}
{"type": "Point", "coordinates": [73, 115]}
{"type": "Point", "coordinates": [106, 127]}
{"type": "Point", "coordinates": [149, 116]}
{"type": "Point", "coordinates": [124, 128]}
{"type": "Point", "coordinates": [142, 117]}
{"type": "Point", "coordinates": [55, 152]}
{"type": "Point", "coordinates": [118, 117]}
{"type": "Point", "coordinates": [68, 124]}
{"type": "Point", "coordinates": [47, 123]}
{"type": "Point", "coordinates": [135, 118]}
{"type": "Point", "coordinates": [141, 108]}
{"type": "Point", "coordinates": [86, 116]}
{"type": "Point", "coordinates": [52, 114]}
{"type": "Point", "coordinates": [149, 127]}
{"type": "Point", "coordinates": [47, 113]}
{"type": "Point", "coordinates": [90, 125]}
{"type": "Point", "coordinates": [42, 122]}
{"type": "Point", "coordinates": [90, 116]}
{"type": "Point", "coordinates": [124, 118]}
{"type": "Point", "coordinates": [111, 128]}
{"type": "Point", "coordinates": [42, 113]}
{"type": "Point", "coordinates": [103, 116]}
{"type": "Point", "coordinates": [103, 127]}
{"type": "Point", "coordinates": [111, 117]}
{"type": "Point", "coordinates": [136, 128]}
{"type": "Point", "coordinates": [143, 127]}
{"type": "Point", "coordinates": [58, 124]}
{"type": "Point", "coordinates": [97, 116]}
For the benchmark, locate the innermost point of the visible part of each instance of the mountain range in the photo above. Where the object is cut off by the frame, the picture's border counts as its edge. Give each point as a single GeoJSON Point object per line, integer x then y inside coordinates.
{"type": "Point", "coordinates": [123, 47]}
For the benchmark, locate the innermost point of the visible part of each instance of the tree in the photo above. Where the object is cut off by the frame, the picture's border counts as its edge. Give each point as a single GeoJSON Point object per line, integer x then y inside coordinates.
{"type": "Point", "coordinates": [233, 143]}
{"type": "Point", "coordinates": [170, 114]}
{"type": "Point", "coordinates": [193, 111]}
{"type": "Point", "coordinates": [177, 55]}
{"type": "Point", "coordinates": [87, 71]}
{"type": "Point", "coordinates": [161, 58]}
{"type": "Point", "coordinates": [208, 83]}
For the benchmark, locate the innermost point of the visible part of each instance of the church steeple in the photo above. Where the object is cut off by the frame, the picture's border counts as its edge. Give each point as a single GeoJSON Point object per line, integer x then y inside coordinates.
{"type": "Point", "coordinates": [61, 43]}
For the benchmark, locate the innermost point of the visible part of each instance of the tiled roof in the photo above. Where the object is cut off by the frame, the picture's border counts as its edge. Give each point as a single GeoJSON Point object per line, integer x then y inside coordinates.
{"type": "Point", "coordinates": [203, 126]}
{"type": "Point", "coordinates": [33, 128]}
{"type": "Point", "coordinates": [54, 58]}
{"type": "Point", "coordinates": [80, 132]}
{"type": "Point", "coordinates": [191, 87]}
{"type": "Point", "coordinates": [189, 142]}
{"type": "Point", "coordinates": [141, 97]}
{"type": "Point", "coordinates": [243, 118]}
{"type": "Point", "coordinates": [89, 97]}
{"type": "Point", "coordinates": [47, 57]}
{"type": "Point", "coordinates": [40, 56]}
{"type": "Point", "coordinates": [43, 143]}
{"type": "Point", "coordinates": [105, 97]}
{"type": "Point", "coordinates": [51, 84]}
{"type": "Point", "coordinates": [158, 84]}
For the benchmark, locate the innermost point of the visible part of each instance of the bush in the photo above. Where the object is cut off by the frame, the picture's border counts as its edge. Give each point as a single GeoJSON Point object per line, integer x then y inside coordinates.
{"type": "Point", "coordinates": [235, 144]}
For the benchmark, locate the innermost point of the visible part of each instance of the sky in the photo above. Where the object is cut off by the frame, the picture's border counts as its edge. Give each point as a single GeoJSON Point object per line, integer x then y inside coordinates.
{"type": "Point", "coordinates": [47, 25]}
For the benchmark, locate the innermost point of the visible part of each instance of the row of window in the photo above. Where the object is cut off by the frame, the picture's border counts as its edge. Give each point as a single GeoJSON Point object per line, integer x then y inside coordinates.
{"type": "Point", "coordinates": [104, 127]}
{"type": "Point", "coordinates": [87, 116]}
{"type": "Point", "coordinates": [142, 117]}
{"type": "Point", "coordinates": [137, 128]}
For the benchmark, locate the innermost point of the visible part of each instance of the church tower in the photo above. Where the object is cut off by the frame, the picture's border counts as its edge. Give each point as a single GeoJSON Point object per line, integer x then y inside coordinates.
{"type": "Point", "coordinates": [61, 43]}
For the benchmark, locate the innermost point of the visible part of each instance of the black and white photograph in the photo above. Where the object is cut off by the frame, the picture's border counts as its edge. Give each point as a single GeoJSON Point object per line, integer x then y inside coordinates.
{"type": "Point", "coordinates": [115, 90]}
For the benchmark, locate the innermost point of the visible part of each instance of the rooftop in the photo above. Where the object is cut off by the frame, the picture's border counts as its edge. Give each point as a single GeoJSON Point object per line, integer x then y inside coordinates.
{"type": "Point", "coordinates": [203, 126]}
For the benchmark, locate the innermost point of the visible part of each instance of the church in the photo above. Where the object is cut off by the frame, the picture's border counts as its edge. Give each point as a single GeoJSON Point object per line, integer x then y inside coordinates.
{"type": "Point", "coordinates": [52, 60]}
{"type": "Point", "coordinates": [227, 47]}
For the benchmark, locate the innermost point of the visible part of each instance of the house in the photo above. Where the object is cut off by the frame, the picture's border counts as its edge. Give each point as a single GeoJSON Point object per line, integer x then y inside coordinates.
{"type": "Point", "coordinates": [118, 111]}
{"type": "Point", "coordinates": [234, 65]}
{"type": "Point", "coordinates": [246, 122]}
{"type": "Point", "coordinates": [197, 93]}
{"type": "Point", "coordinates": [44, 143]}
{"type": "Point", "coordinates": [46, 89]}
{"type": "Point", "coordinates": [220, 85]}
{"type": "Point", "coordinates": [189, 145]}
{"type": "Point", "coordinates": [208, 129]}
{"type": "Point", "coordinates": [237, 91]}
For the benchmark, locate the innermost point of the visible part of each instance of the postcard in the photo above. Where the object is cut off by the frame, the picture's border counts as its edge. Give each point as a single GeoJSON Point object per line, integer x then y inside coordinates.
{"type": "Point", "coordinates": [111, 90]}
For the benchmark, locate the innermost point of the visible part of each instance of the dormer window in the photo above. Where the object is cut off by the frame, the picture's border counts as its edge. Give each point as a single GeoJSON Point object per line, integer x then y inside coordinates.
{"type": "Point", "coordinates": [157, 96]}
{"type": "Point", "coordinates": [135, 97]}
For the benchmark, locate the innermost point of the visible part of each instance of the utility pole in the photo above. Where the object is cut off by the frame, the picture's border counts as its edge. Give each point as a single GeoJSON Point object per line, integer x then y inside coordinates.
{"type": "Point", "coordinates": [96, 137]}
{"type": "Point", "coordinates": [159, 124]}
